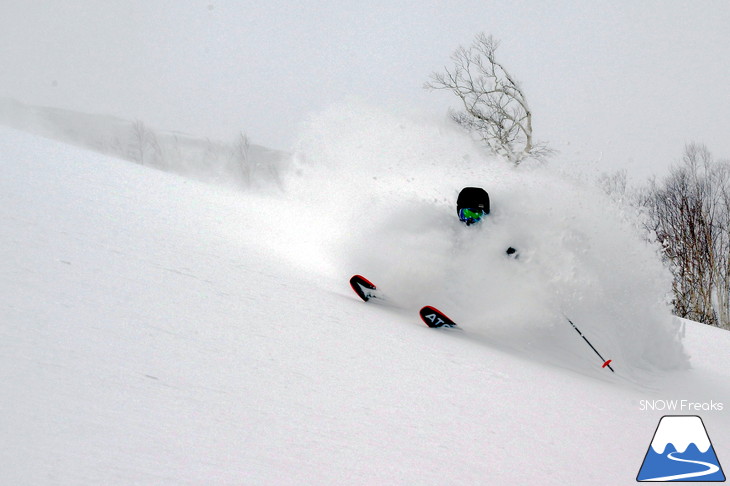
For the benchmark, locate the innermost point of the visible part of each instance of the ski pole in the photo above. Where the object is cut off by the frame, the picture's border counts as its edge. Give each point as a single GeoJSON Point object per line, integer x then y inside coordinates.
{"type": "Point", "coordinates": [606, 363]}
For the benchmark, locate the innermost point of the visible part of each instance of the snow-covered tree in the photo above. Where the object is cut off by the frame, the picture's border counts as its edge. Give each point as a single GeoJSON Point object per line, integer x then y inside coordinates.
{"type": "Point", "coordinates": [144, 147]}
{"type": "Point", "coordinates": [495, 106]}
{"type": "Point", "coordinates": [689, 212]}
{"type": "Point", "coordinates": [240, 155]}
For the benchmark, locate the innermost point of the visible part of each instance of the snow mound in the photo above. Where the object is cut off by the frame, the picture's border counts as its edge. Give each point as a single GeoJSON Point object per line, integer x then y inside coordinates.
{"type": "Point", "coordinates": [388, 184]}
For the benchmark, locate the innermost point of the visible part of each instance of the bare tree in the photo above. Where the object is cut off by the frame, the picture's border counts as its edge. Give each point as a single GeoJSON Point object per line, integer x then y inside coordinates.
{"type": "Point", "coordinates": [689, 213]}
{"type": "Point", "coordinates": [495, 106]}
{"type": "Point", "coordinates": [240, 155]}
{"type": "Point", "coordinates": [209, 156]}
{"type": "Point", "coordinates": [615, 185]}
{"type": "Point", "coordinates": [175, 153]}
{"type": "Point", "coordinates": [144, 146]}
{"type": "Point", "coordinates": [721, 241]}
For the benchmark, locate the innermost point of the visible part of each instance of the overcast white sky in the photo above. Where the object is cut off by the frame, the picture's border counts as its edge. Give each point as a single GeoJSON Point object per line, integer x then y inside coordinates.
{"type": "Point", "coordinates": [623, 82]}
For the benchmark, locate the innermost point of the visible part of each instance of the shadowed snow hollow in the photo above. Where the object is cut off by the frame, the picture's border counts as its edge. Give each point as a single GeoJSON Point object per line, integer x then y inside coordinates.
{"type": "Point", "coordinates": [386, 187]}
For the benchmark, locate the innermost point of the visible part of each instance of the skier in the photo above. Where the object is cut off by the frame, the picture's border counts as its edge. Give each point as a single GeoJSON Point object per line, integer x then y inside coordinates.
{"type": "Point", "coordinates": [472, 206]}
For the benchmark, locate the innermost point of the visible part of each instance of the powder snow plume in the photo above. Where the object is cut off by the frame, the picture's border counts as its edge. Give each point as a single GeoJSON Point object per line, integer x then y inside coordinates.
{"type": "Point", "coordinates": [386, 186]}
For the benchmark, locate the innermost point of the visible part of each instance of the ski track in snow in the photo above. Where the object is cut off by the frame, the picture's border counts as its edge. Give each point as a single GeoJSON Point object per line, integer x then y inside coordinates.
{"type": "Point", "coordinates": [160, 331]}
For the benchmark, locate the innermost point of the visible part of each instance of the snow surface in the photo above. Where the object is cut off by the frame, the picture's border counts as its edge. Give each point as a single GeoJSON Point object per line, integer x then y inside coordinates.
{"type": "Point", "coordinates": [157, 330]}
{"type": "Point", "coordinates": [193, 157]}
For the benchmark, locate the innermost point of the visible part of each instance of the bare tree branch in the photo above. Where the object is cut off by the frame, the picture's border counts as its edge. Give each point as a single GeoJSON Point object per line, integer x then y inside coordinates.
{"type": "Point", "coordinates": [689, 212]}
{"type": "Point", "coordinates": [495, 107]}
{"type": "Point", "coordinates": [240, 154]}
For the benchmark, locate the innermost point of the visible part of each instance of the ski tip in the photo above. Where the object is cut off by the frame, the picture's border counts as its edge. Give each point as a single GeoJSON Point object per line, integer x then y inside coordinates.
{"type": "Point", "coordinates": [359, 284]}
{"type": "Point", "coordinates": [433, 317]}
{"type": "Point", "coordinates": [362, 281]}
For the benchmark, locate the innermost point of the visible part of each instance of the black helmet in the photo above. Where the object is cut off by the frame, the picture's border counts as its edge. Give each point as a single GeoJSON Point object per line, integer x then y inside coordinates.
{"type": "Point", "coordinates": [472, 201]}
{"type": "Point", "coordinates": [473, 198]}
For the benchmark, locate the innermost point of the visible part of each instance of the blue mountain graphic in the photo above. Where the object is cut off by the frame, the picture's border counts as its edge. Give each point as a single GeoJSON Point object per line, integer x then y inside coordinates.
{"type": "Point", "coordinates": [662, 465]}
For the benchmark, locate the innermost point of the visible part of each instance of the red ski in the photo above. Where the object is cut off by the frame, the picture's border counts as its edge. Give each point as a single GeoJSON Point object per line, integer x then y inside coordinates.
{"type": "Point", "coordinates": [363, 287]}
{"type": "Point", "coordinates": [367, 291]}
{"type": "Point", "coordinates": [435, 318]}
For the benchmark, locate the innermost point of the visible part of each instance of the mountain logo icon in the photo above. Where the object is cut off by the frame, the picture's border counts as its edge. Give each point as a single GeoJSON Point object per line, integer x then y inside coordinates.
{"type": "Point", "coordinates": [681, 451]}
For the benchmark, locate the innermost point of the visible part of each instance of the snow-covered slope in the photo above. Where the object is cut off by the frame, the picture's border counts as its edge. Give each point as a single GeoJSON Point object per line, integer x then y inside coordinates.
{"type": "Point", "coordinates": [237, 164]}
{"type": "Point", "coordinates": [155, 330]}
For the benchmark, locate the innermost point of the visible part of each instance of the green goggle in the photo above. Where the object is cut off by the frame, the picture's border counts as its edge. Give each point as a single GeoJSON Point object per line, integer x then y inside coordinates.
{"type": "Point", "coordinates": [466, 214]}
